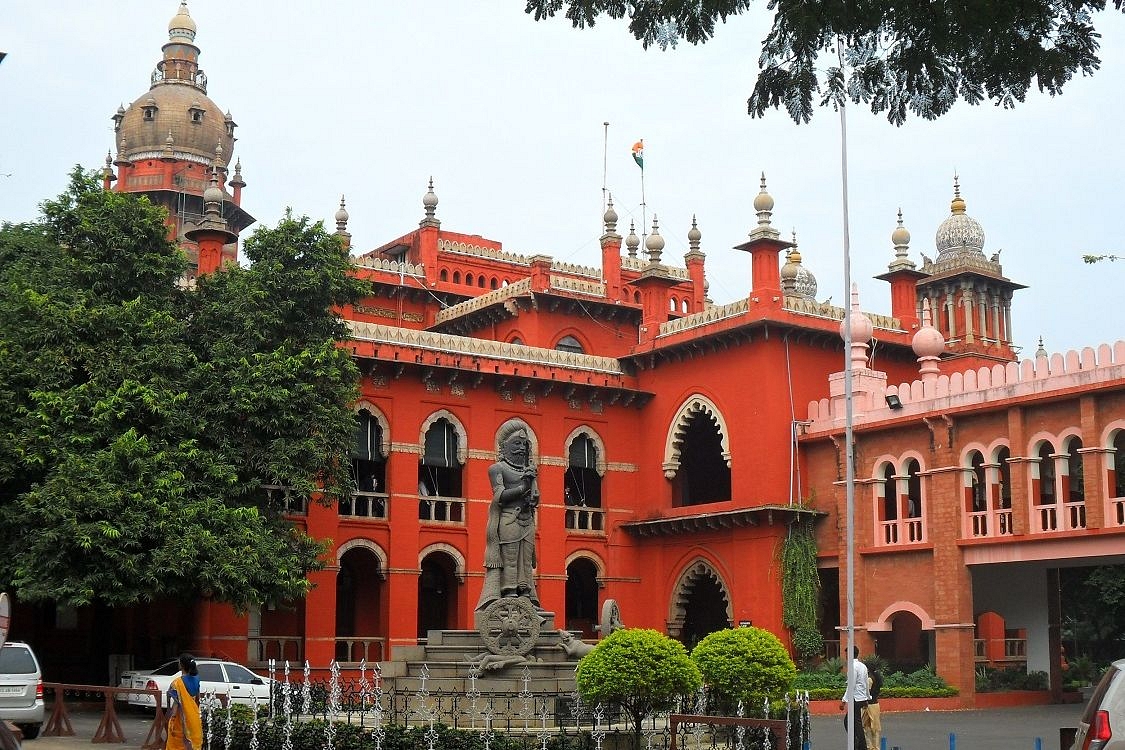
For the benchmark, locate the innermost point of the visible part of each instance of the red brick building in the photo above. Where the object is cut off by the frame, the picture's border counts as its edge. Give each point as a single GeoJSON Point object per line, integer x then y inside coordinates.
{"type": "Point", "coordinates": [677, 440]}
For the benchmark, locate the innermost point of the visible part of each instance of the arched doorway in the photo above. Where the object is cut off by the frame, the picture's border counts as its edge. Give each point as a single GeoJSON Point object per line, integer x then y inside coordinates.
{"type": "Point", "coordinates": [437, 593]}
{"type": "Point", "coordinates": [907, 646]}
{"type": "Point", "coordinates": [582, 597]}
{"type": "Point", "coordinates": [360, 625]}
{"type": "Point", "coordinates": [701, 605]}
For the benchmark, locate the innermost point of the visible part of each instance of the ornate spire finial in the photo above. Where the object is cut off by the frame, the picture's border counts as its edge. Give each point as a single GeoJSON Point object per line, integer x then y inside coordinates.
{"type": "Point", "coordinates": [430, 203]}
{"type": "Point", "coordinates": [1041, 351]}
{"type": "Point", "coordinates": [654, 243]}
{"type": "Point", "coordinates": [694, 236]}
{"type": "Point", "coordinates": [342, 217]}
{"type": "Point", "coordinates": [957, 205]}
{"type": "Point", "coordinates": [861, 331]}
{"type": "Point", "coordinates": [632, 242]}
{"type": "Point", "coordinates": [928, 344]}
{"type": "Point", "coordinates": [763, 204]}
{"type": "Point", "coordinates": [900, 237]}
{"type": "Point", "coordinates": [610, 217]}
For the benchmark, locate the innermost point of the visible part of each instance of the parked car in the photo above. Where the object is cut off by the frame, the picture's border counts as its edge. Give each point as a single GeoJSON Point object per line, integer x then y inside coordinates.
{"type": "Point", "coordinates": [1102, 726]}
{"type": "Point", "coordinates": [215, 676]}
{"type": "Point", "coordinates": [21, 688]}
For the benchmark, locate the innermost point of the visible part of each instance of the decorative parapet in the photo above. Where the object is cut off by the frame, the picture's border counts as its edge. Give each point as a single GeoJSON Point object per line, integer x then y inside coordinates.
{"type": "Point", "coordinates": [805, 306]}
{"type": "Point", "coordinates": [639, 264]}
{"type": "Point", "coordinates": [450, 344]}
{"type": "Point", "coordinates": [464, 248]}
{"type": "Point", "coordinates": [576, 270]}
{"type": "Point", "coordinates": [710, 315]}
{"type": "Point", "coordinates": [962, 263]}
{"type": "Point", "coordinates": [390, 266]}
{"type": "Point", "coordinates": [478, 251]}
{"type": "Point", "coordinates": [1001, 382]}
{"type": "Point", "coordinates": [591, 288]}
{"type": "Point", "coordinates": [521, 287]}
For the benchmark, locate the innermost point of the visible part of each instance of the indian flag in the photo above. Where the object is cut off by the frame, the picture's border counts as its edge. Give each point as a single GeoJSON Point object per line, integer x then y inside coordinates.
{"type": "Point", "coordinates": [639, 153]}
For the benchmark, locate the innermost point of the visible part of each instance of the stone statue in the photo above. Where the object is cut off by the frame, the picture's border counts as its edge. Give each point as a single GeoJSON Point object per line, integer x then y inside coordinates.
{"type": "Point", "coordinates": [509, 556]}
{"type": "Point", "coordinates": [574, 648]}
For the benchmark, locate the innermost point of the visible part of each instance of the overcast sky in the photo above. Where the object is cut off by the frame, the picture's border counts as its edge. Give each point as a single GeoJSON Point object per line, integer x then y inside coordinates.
{"type": "Point", "coordinates": [370, 98]}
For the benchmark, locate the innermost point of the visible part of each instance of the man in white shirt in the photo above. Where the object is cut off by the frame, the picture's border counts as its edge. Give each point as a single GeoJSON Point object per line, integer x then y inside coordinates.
{"type": "Point", "coordinates": [857, 692]}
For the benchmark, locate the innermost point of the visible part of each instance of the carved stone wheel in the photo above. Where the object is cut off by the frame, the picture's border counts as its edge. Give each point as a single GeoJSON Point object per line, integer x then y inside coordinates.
{"type": "Point", "coordinates": [611, 618]}
{"type": "Point", "coordinates": [510, 626]}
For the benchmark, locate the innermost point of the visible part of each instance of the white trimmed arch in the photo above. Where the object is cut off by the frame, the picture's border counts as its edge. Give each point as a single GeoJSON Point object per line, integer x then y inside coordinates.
{"type": "Point", "coordinates": [381, 420]}
{"type": "Point", "coordinates": [368, 545]}
{"type": "Point", "coordinates": [883, 623]}
{"type": "Point", "coordinates": [462, 435]}
{"type": "Point", "coordinates": [595, 438]}
{"type": "Point", "coordinates": [673, 444]}
{"type": "Point", "coordinates": [681, 593]}
{"type": "Point", "coordinates": [449, 549]}
{"type": "Point", "coordinates": [593, 557]}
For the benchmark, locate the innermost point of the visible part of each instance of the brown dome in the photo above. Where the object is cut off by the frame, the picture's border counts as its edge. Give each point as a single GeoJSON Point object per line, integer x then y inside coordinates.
{"type": "Point", "coordinates": [196, 123]}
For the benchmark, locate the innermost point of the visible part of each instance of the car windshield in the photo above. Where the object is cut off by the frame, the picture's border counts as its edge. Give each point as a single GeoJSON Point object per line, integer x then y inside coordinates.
{"type": "Point", "coordinates": [16, 660]}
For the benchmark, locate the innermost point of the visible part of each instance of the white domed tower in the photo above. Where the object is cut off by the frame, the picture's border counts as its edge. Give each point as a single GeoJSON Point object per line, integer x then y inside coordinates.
{"type": "Point", "coordinates": [173, 143]}
{"type": "Point", "coordinates": [969, 296]}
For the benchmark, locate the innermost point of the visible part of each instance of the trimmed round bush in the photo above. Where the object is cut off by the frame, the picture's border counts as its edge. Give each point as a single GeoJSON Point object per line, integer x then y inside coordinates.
{"type": "Point", "coordinates": [744, 664]}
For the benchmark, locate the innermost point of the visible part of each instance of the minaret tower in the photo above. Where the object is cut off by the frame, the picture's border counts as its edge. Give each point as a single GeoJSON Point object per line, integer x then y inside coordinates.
{"type": "Point", "coordinates": [173, 143]}
{"type": "Point", "coordinates": [970, 298]}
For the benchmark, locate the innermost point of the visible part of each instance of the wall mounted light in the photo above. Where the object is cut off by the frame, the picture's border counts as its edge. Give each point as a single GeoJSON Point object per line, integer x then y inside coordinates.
{"type": "Point", "coordinates": [894, 402]}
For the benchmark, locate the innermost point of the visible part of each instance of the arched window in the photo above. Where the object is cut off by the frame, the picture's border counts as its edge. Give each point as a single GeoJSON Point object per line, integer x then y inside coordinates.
{"type": "Point", "coordinates": [913, 489]}
{"type": "Point", "coordinates": [456, 277]}
{"type": "Point", "coordinates": [1046, 473]}
{"type": "Point", "coordinates": [569, 344]}
{"type": "Point", "coordinates": [439, 473]}
{"type": "Point", "coordinates": [684, 306]}
{"type": "Point", "coordinates": [444, 275]}
{"type": "Point", "coordinates": [1075, 492]}
{"type": "Point", "coordinates": [369, 470]}
{"type": "Point", "coordinates": [480, 281]}
{"type": "Point", "coordinates": [914, 530]}
{"type": "Point", "coordinates": [978, 490]}
{"type": "Point", "coordinates": [582, 485]}
{"type": "Point", "coordinates": [469, 279]}
{"type": "Point", "coordinates": [1117, 486]}
{"type": "Point", "coordinates": [671, 304]}
{"type": "Point", "coordinates": [890, 494]}
{"type": "Point", "coordinates": [1003, 454]}
{"type": "Point", "coordinates": [493, 283]}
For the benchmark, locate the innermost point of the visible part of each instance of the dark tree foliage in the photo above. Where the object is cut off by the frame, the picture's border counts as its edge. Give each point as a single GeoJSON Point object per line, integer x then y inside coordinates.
{"type": "Point", "coordinates": [1093, 609]}
{"type": "Point", "coordinates": [901, 58]}
{"type": "Point", "coordinates": [139, 419]}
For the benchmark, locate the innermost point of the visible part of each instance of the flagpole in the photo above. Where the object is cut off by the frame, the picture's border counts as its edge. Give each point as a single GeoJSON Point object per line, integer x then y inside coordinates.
{"type": "Point", "coordinates": [605, 162]}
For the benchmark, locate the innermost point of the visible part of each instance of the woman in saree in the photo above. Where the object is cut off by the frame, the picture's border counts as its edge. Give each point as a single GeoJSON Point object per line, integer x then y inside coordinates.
{"type": "Point", "coordinates": [185, 730]}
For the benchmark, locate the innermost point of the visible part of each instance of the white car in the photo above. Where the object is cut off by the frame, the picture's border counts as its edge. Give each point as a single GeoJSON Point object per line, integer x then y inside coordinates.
{"type": "Point", "coordinates": [21, 688]}
{"type": "Point", "coordinates": [215, 676]}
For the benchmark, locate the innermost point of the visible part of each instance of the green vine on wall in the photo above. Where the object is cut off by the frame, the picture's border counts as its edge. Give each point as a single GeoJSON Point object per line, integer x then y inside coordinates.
{"type": "Point", "coordinates": [800, 588]}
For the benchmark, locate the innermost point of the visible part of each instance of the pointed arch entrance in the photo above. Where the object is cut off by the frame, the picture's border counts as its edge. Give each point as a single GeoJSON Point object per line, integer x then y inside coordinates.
{"type": "Point", "coordinates": [701, 604]}
{"type": "Point", "coordinates": [360, 595]}
{"type": "Point", "coordinates": [582, 596]}
{"type": "Point", "coordinates": [442, 569]}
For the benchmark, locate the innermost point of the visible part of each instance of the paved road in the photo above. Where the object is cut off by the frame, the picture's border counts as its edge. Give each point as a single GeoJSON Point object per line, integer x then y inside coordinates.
{"type": "Point", "coordinates": [996, 729]}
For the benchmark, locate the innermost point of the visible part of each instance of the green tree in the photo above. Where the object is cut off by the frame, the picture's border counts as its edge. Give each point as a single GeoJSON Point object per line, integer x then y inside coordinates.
{"type": "Point", "coordinates": [1093, 600]}
{"type": "Point", "coordinates": [639, 670]}
{"type": "Point", "coordinates": [901, 57]}
{"type": "Point", "coordinates": [140, 419]}
{"type": "Point", "coordinates": [744, 664]}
